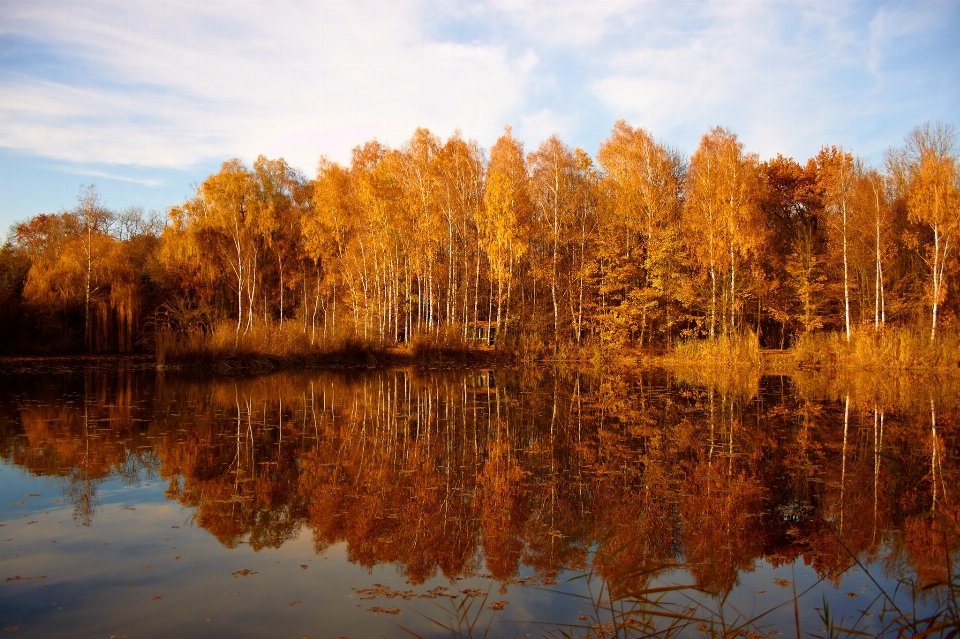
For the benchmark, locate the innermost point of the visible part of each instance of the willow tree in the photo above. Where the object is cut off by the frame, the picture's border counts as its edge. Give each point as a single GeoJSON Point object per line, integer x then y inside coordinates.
{"type": "Point", "coordinates": [929, 169]}
{"type": "Point", "coordinates": [77, 263]}
{"type": "Point", "coordinates": [506, 225]}
{"type": "Point", "coordinates": [721, 214]}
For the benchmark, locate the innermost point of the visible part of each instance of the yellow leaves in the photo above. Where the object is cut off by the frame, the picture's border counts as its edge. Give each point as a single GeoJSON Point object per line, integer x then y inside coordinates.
{"type": "Point", "coordinates": [640, 179]}
{"type": "Point", "coordinates": [506, 225]}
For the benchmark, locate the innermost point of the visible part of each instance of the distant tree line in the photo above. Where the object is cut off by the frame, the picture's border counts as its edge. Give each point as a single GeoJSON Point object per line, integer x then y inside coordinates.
{"type": "Point", "coordinates": [640, 245]}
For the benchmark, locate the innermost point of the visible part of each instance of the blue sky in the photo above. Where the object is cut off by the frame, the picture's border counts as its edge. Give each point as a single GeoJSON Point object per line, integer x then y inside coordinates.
{"type": "Point", "coordinates": [145, 99]}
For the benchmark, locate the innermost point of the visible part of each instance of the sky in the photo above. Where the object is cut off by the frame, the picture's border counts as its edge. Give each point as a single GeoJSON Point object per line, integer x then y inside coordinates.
{"type": "Point", "coordinates": [146, 99]}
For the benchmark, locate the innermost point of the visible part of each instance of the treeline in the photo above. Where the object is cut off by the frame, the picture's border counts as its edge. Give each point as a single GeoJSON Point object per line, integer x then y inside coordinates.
{"type": "Point", "coordinates": [550, 249]}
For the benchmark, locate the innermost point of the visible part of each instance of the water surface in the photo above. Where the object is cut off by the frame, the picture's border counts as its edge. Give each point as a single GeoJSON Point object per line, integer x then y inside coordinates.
{"type": "Point", "coordinates": [517, 502]}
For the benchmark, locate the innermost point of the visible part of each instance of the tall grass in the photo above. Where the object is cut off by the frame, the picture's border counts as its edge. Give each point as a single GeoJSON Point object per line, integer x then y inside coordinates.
{"type": "Point", "coordinates": [265, 347]}
{"type": "Point", "coordinates": [894, 348]}
{"type": "Point", "coordinates": [661, 600]}
{"type": "Point", "coordinates": [738, 350]}
{"type": "Point", "coordinates": [261, 347]}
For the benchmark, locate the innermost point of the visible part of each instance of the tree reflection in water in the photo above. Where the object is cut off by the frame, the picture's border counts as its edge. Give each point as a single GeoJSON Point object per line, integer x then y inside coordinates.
{"type": "Point", "coordinates": [461, 473]}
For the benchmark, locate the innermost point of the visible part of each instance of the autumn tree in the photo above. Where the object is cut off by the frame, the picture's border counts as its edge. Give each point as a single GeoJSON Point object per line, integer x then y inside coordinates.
{"type": "Point", "coordinates": [875, 236]}
{"type": "Point", "coordinates": [506, 224]}
{"type": "Point", "coordinates": [222, 221]}
{"type": "Point", "coordinates": [284, 200]}
{"type": "Point", "coordinates": [461, 168]}
{"type": "Point", "coordinates": [77, 263]}
{"type": "Point", "coordinates": [329, 231]}
{"type": "Point", "coordinates": [791, 209]}
{"type": "Point", "coordinates": [721, 215]}
{"type": "Point", "coordinates": [836, 177]}
{"type": "Point", "coordinates": [929, 171]}
{"type": "Point", "coordinates": [559, 186]}
{"type": "Point", "coordinates": [639, 243]}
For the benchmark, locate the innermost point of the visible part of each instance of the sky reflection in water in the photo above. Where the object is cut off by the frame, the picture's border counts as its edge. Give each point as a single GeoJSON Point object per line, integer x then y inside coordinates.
{"type": "Point", "coordinates": [317, 504]}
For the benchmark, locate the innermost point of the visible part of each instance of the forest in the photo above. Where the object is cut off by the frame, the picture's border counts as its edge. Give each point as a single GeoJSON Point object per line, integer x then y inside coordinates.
{"type": "Point", "coordinates": [547, 251]}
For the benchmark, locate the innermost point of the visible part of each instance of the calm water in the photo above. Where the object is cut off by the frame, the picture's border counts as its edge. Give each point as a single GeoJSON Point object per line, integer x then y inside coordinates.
{"type": "Point", "coordinates": [425, 503]}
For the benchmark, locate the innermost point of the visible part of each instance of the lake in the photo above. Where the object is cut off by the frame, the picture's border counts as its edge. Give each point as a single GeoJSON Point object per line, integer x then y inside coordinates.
{"type": "Point", "coordinates": [527, 502]}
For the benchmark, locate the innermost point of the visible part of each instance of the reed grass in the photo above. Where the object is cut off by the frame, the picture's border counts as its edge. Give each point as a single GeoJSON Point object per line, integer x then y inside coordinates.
{"type": "Point", "coordinates": [264, 348]}
{"type": "Point", "coordinates": [736, 352]}
{"type": "Point", "coordinates": [664, 608]}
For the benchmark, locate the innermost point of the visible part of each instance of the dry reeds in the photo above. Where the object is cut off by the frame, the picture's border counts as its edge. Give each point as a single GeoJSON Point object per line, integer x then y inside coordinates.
{"type": "Point", "coordinates": [264, 348]}
{"type": "Point", "coordinates": [736, 350]}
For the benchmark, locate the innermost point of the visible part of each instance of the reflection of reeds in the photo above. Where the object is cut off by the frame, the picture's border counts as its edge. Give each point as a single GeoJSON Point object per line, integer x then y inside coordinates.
{"type": "Point", "coordinates": [903, 391]}
{"type": "Point", "coordinates": [890, 349]}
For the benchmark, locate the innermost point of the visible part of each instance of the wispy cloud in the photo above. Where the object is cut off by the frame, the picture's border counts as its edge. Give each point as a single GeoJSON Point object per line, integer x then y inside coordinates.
{"type": "Point", "coordinates": [788, 77]}
{"type": "Point", "coordinates": [167, 84]}
{"type": "Point", "coordinates": [178, 83]}
{"type": "Point", "coordinates": [107, 175]}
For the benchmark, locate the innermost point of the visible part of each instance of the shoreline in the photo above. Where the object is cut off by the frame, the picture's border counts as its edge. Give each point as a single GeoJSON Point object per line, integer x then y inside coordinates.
{"type": "Point", "coordinates": [768, 362]}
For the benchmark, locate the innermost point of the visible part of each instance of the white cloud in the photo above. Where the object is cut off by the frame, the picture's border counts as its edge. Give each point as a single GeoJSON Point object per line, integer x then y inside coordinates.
{"type": "Point", "coordinates": [151, 182]}
{"type": "Point", "coordinates": [539, 126]}
{"type": "Point", "coordinates": [173, 83]}
{"type": "Point", "coordinates": [566, 22]}
{"type": "Point", "coordinates": [177, 83]}
{"type": "Point", "coordinates": [787, 77]}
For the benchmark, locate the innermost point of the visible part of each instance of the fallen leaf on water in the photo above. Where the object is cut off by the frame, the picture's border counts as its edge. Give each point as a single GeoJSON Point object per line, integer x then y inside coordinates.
{"type": "Point", "coordinates": [178, 556]}
{"type": "Point", "coordinates": [32, 522]}
{"type": "Point", "coordinates": [782, 582]}
{"type": "Point", "coordinates": [851, 594]}
{"type": "Point", "coordinates": [144, 567]}
{"type": "Point", "coordinates": [174, 526]}
{"type": "Point", "coordinates": [298, 601]}
{"type": "Point", "coordinates": [10, 628]}
{"type": "Point", "coordinates": [33, 495]}
{"type": "Point", "coordinates": [304, 566]}
{"type": "Point", "coordinates": [498, 605]}
{"type": "Point", "coordinates": [244, 572]}
{"type": "Point", "coordinates": [157, 597]}
{"type": "Point", "coordinates": [392, 610]}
